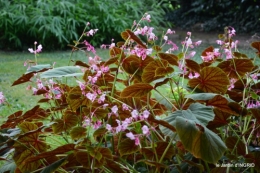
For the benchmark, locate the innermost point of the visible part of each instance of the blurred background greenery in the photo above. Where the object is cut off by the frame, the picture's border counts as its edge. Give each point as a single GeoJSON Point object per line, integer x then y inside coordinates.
{"type": "Point", "coordinates": [55, 23]}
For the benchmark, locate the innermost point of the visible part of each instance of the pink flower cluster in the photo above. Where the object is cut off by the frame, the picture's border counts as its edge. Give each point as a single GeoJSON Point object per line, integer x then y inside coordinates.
{"type": "Point", "coordinates": [123, 125]}
{"type": "Point", "coordinates": [39, 48]}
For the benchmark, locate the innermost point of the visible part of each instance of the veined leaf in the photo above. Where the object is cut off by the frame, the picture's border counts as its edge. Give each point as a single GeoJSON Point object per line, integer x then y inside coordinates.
{"type": "Point", "coordinates": [127, 146]}
{"type": "Point", "coordinates": [65, 71]}
{"type": "Point", "coordinates": [171, 58]}
{"type": "Point", "coordinates": [236, 68]}
{"type": "Point", "coordinates": [193, 65]}
{"type": "Point", "coordinates": [211, 79]}
{"type": "Point", "coordinates": [199, 140]}
{"type": "Point", "coordinates": [136, 90]}
{"type": "Point", "coordinates": [135, 38]}
{"type": "Point", "coordinates": [52, 167]}
{"type": "Point", "coordinates": [78, 132]}
{"type": "Point", "coordinates": [38, 68]}
{"type": "Point", "coordinates": [67, 122]}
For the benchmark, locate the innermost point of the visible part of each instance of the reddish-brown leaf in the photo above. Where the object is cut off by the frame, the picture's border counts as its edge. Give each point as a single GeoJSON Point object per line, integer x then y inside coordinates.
{"type": "Point", "coordinates": [171, 58]}
{"type": "Point", "coordinates": [235, 67]}
{"type": "Point", "coordinates": [220, 119]}
{"type": "Point", "coordinates": [131, 64]}
{"type": "Point", "coordinates": [68, 121]}
{"type": "Point", "coordinates": [211, 79]}
{"type": "Point", "coordinates": [256, 45]}
{"type": "Point", "coordinates": [239, 55]}
{"type": "Point", "coordinates": [233, 142]}
{"type": "Point", "coordinates": [157, 48]}
{"type": "Point", "coordinates": [162, 72]}
{"type": "Point", "coordinates": [78, 132]}
{"type": "Point", "coordinates": [136, 90]}
{"type": "Point", "coordinates": [256, 113]}
{"type": "Point", "coordinates": [149, 71]}
{"type": "Point", "coordinates": [192, 65]}
{"type": "Point", "coordinates": [127, 146]}
{"type": "Point", "coordinates": [220, 103]}
{"type": "Point", "coordinates": [82, 64]}
{"type": "Point", "coordinates": [29, 139]}
{"type": "Point", "coordinates": [125, 35]}
{"type": "Point", "coordinates": [24, 78]}
{"type": "Point", "coordinates": [165, 81]}
{"type": "Point", "coordinates": [209, 49]}
{"type": "Point", "coordinates": [76, 99]}
{"type": "Point", "coordinates": [116, 52]}
{"type": "Point", "coordinates": [111, 61]}
{"type": "Point", "coordinates": [135, 38]}
{"type": "Point", "coordinates": [59, 150]}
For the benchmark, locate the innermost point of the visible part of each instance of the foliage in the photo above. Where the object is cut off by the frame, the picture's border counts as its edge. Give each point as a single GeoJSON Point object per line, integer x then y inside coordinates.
{"type": "Point", "coordinates": [214, 15]}
{"type": "Point", "coordinates": [120, 118]}
{"type": "Point", "coordinates": [57, 23]}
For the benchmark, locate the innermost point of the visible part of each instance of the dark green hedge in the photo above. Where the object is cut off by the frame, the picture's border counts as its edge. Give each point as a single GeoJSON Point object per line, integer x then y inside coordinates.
{"type": "Point", "coordinates": [55, 23]}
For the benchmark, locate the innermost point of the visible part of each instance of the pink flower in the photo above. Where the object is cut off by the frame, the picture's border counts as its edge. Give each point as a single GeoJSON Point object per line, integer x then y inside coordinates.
{"type": "Point", "coordinates": [145, 130]}
{"type": "Point", "coordinates": [91, 96]}
{"type": "Point", "coordinates": [219, 42]}
{"type": "Point", "coordinates": [134, 114]}
{"type": "Point", "coordinates": [165, 37]}
{"type": "Point", "coordinates": [91, 32]}
{"type": "Point", "coordinates": [147, 17]}
{"type": "Point", "coordinates": [189, 33]}
{"type": "Point", "coordinates": [39, 48]}
{"type": "Point", "coordinates": [31, 50]}
{"type": "Point", "coordinates": [2, 98]}
{"type": "Point", "coordinates": [137, 141]}
{"type": "Point", "coordinates": [97, 124]}
{"type": "Point", "coordinates": [114, 109]}
{"type": "Point", "coordinates": [130, 135]}
{"type": "Point", "coordinates": [89, 47]}
{"type": "Point", "coordinates": [169, 31]}
{"type": "Point", "coordinates": [103, 46]}
{"type": "Point", "coordinates": [125, 107]}
{"type": "Point", "coordinates": [188, 42]}
{"type": "Point", "coordinates": [108, 127]}
{"type": "Point", "coordinates": [198, 43]}
{"type": "Point", "coordinates": [102, 98]}
{"type": "Point", "coordinates": [146, 114]}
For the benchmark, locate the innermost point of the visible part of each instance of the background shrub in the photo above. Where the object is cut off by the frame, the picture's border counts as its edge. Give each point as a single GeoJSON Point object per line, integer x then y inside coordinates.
{"type": "Point", "coordinates": [55, 23]}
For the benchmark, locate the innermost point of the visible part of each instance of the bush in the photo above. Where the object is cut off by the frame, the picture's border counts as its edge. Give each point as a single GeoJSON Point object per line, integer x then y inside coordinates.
{"type": "Point", "coordinates": [55, 23]}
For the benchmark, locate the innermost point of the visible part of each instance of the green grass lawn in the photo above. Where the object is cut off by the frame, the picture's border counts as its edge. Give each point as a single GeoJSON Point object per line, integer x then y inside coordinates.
{"type": "Point", "coordinates": [11, 68]}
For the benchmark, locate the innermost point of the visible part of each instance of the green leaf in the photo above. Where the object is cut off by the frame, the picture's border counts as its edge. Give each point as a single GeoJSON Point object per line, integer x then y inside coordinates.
{"type": "Point", "coordinates": [197, 112]}
{"type": "Point", "coordinates": [52, 167]}
{"type": "Point", "coordinates": [38, 68]}
{"type": "Point", "coordinates": [203, 113]}
{"type": "Point", "coordinates": [199, 140]}
{"type": "Point", "coordinates": [8, 167]}
{"type": "Point", "coordinates": [205, 96]}
{"type": "Point", "coordinates": [65, 71]}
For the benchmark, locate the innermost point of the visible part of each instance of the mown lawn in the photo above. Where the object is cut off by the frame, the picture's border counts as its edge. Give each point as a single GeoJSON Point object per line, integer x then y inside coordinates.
{"type": "Point", "coordinates": [12, 67]}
